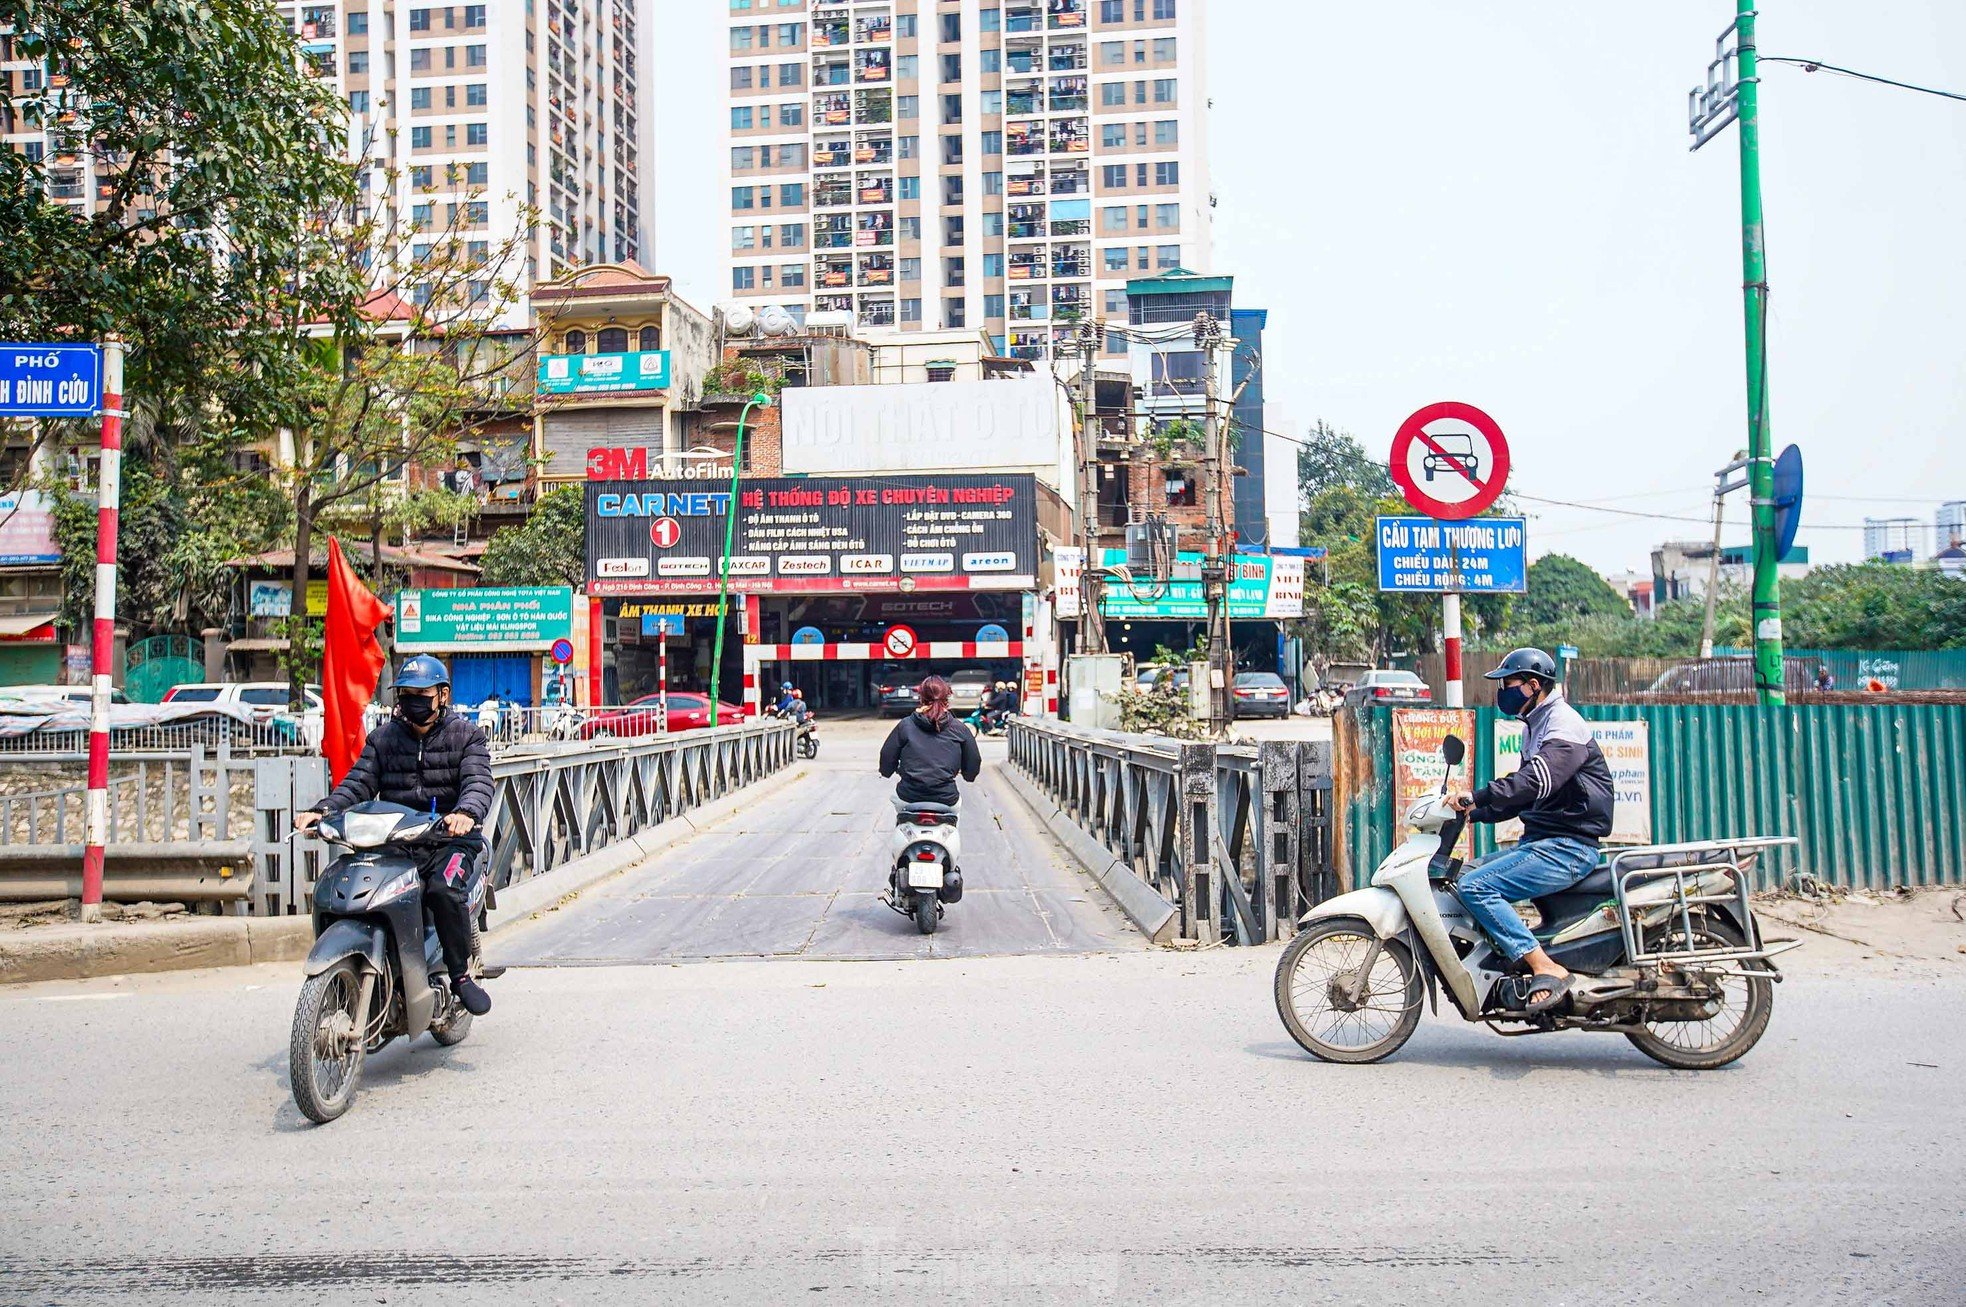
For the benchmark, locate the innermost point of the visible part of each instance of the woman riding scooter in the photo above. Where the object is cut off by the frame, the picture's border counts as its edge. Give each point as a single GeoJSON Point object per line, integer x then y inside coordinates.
{"type": "Point", "coordinates": [929, 748]}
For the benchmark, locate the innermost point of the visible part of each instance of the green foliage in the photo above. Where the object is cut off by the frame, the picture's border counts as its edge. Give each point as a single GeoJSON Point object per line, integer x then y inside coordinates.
{"type": "Point", "coordinates": [1176, 434]}
{"type": "Point", "coordinates": [1875, 606]}
{"type": "Point", "coordinates": [1562, 589]}
{"type": "Point", "coordinates": [1330, 459]}
{"type": "Point", "coordinates": [742, 376]}
{"type": "Point", "coordinates": [549, 549]}
{"type": "Point", "coordinates": [1161, 709]}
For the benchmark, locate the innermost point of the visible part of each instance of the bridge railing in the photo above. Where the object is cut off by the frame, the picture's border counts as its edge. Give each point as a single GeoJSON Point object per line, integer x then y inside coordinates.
{"type": "Point", "coordinates": [1235, 839]}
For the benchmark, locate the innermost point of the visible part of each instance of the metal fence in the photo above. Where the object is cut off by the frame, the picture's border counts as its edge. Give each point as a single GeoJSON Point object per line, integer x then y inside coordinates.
{"type": "Point", "coordinates": [1856, 676]}
{"type": "Point", "coordinates": [1235, 838]}
{"type": "Point", "coordinates": [1875, 793]}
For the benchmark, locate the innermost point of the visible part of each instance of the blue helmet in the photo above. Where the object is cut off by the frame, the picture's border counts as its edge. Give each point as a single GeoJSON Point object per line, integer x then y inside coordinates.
{"type": "Point", "coordinates": [422, 673]}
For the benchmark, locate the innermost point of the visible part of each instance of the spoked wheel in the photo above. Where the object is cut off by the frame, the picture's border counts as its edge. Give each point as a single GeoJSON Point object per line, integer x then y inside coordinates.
{"type": "Point", "coordinates": [326, 1051]}
{"type": "Point", "coordinates": [1314, 988]}
{"type": "Point", "coordinates": [1736, 1016]}
{"type": "Point", "coordinates": [925, 911]}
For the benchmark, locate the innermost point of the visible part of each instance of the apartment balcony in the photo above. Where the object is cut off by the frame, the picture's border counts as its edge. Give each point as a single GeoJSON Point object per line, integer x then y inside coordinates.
{"type": "Point", "coordinates": [832, 73]}
{"type": "Point", "coordinates": [1067, 102]}
{"type": "Point", "coordinates": [1071, 136]}
{"type": "Point", "coordinates": [1071, 180]}
{"type": "Point", "coordinates": [1072, 267]}
{"type": "Point", "coordinates": [1022, 139]}
{"type": "Point", "coordinates": [832, 280]}
{"type": "Point", "coordinates": [1072, 227]}
{"type": "Point", "coordinates": [1025, 231]}
{"type": "Point", "coordinates": [872, 66]}
{"type": "Point", "coordinates": [876, 312]}
{"type": "Point", "coordinates": [879, 150]}
{"type": "Point", "coordinates": [877, 277]}
{"type": "Point", "coordinates": [1065, 15]}
{"type": "Point", "coordinates": [871, 107]}
{"type": "Point", "coordinates": [1023, 18]}
{"type": "Point", "coordinates": [833, 303]}
{"type": "Point", "coordinates": [826, 33]}
{"type": "Point", "coordinates": [831, 154]}
{"type": "Point", "coordinates": [1029, 184]}
{"type": "Point", "coordinates": [873, 28]}
{"type": "Point", "coordinates": [875, 190]}
{"type": "Point", "coordinates": [1023, 104]}
{"type": "Point", "coordinates": [1066, 58]}
{"type": "Point", "coordinates": [832, 194]}
{"type": "Point", "coordinates": [832, 240]}
{"type": "Point", "coordinates": [832, 108]}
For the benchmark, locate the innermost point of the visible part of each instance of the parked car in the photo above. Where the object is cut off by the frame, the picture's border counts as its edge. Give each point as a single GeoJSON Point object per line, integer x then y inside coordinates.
{"type": "Point", "coordinates": [1261, 694]}
{"type": "Point", "coordinates": [263, 699]}
{"type": "Point", "coordinates": [1729, 675]}
{"type": "Point", "coordinates": [967, 688]}
{"type": "Point", "coordinates": [894, 688]}
{"type": "Point", "coordinates": [1150, 678]}
{"type": "Point", "coordinates": [54, 694]}
{"type": "Point", "coordinates": [687, 711]}
{"type": "Point", "coordinates": [1386, 686]}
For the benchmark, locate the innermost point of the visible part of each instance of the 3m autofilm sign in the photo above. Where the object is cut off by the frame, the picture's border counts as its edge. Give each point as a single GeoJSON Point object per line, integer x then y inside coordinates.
{"type": "Point", "coordinates": [1627, 749]}
{"type": "Point", "coordinates": [814, 535]}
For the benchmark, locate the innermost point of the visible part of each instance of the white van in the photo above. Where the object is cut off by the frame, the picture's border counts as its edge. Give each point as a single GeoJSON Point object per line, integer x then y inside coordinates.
{"type": "Point", "coordinates": [263, 699]}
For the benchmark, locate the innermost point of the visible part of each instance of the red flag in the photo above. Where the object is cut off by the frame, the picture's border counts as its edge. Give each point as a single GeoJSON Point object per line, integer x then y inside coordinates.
{"type": "Point", "coordinates": [351, 662]}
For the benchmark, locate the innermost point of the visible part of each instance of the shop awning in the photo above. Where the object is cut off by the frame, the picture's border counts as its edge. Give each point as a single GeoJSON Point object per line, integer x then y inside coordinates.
{"type": "Point", "coordinates": [257, 644]}
{"type": "Point", "coordinates": [27, 626]}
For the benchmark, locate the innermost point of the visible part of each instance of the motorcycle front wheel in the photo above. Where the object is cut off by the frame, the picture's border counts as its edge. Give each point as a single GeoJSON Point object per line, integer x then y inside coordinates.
{"type": "Point", "coordinates": [1740, 1014]}
{"type": "Point", "coordinates": [1313, 993]}
{"type": "Point", "coordinates": [325, 1053]}
{"type": "Point", "coordinates": [925, 911]}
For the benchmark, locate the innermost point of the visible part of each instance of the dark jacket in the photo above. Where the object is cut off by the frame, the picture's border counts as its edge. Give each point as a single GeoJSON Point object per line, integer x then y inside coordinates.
{"type": "Point", "coordinates": [1563, 788]}
{"type": "Point", "coordinates": [929, 757]}
{"type": "Point", "coordinates": [449, 768]}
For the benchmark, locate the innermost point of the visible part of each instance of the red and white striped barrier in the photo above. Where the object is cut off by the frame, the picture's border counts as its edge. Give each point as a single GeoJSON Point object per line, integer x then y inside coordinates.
{"type": "Point", "coordinates": [756, 655]}
{"type": "Point", "coordinates": [102, 653]}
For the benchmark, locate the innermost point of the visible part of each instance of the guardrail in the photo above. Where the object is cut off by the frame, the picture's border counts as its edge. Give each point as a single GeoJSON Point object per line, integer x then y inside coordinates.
{"type": "Point", "coordinates": [1234, 839]}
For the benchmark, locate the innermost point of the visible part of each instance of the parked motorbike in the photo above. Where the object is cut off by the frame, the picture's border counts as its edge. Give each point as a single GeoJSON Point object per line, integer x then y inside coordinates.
{"type": "Point", "coordinates": [926, 873]}
{"type": "Point", "coordinates": [376, 970]}
{"type": "Point", "coordinates": [1662, 940]}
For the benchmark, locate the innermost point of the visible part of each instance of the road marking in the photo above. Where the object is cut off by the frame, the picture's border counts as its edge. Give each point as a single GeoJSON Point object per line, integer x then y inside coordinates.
{"type": "Point", "coordinates": [77, 998]}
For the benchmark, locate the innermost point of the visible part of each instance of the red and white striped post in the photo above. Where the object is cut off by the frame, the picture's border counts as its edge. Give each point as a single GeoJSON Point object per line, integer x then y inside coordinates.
{"type": "Point", "coordinates": [109, 499]}
{"type": "Point", "coordinates": [662, 678]}
{"type": "Point", "coordinates": [1450, 643]}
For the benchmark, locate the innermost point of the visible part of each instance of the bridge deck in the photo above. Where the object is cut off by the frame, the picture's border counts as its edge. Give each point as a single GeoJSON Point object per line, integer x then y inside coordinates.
{"type": "Point", "coordinates": [801, 876]}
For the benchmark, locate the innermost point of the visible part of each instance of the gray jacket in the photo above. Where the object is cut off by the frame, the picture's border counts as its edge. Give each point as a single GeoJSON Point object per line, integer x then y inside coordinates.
{"type": "Point", "coordinates": [1563, 788]}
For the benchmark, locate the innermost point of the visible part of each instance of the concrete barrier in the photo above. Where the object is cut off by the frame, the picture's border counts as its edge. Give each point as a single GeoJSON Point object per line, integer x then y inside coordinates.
{"type": "Point", "coordinates": [78, 952]}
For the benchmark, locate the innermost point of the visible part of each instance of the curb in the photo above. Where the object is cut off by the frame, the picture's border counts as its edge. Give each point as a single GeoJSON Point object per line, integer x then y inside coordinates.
{"type": "Point", "coordinates": [1144, 907]}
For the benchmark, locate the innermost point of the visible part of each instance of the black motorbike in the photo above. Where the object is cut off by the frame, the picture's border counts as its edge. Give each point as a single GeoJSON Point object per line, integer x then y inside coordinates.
{"type": "Point", "coordinates": [376, 970]}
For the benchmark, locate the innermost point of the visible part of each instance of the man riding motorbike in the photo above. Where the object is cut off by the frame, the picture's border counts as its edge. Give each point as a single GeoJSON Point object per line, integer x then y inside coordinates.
{"type": "Point", "coordinates": [1562, 792]}
{"type": "Point", "coordinates": [929, 748]}
{"type": "Point", "coordinates": [430, 758]}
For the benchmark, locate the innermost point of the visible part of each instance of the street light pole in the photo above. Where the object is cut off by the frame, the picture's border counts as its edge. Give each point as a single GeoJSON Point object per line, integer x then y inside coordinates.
{"type": "Point", "coordinates": [730, 534]}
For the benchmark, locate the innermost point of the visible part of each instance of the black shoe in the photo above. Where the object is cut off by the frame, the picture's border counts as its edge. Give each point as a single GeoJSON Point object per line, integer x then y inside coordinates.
{"type": "Point", "coordinates": [470, 993]}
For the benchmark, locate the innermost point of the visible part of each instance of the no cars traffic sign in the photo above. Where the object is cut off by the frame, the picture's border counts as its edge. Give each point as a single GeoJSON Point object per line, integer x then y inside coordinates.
{"type": "Point", "coordinates": [1450, 460]}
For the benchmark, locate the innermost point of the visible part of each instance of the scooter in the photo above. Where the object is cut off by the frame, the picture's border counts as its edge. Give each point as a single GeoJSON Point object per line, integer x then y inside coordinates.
{"type": "Point", "coordinates": [806, 731]}
{"type": "Point", "coordinates": [926, 873]}
{"type": "Point", "coordinates": [376, 970]}
{"type": "Point", "coordinates": [1662, 941]}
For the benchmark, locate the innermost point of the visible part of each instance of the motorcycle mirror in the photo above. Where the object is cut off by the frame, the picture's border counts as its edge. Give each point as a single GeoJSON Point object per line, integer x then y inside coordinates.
{"type": "Point", "coordinates": [1453, 750]}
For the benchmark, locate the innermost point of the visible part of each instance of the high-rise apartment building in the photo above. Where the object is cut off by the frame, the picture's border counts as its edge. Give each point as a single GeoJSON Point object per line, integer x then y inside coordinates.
{"type": "Point", "coordinates": [999, 164]}
{"type": "Point", "coordinates": [1894, 539]}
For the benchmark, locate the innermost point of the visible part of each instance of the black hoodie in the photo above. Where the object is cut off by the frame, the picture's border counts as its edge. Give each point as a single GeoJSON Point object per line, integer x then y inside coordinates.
{"type": "Point", "coordinates": [929, 755]}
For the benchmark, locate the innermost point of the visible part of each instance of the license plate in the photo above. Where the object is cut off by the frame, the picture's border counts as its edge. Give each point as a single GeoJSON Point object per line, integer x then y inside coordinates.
{"type": "Point", "coordinates": [924, 875]}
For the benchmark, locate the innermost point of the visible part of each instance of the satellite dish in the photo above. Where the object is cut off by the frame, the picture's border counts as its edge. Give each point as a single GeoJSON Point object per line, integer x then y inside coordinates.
{"type": "Point", "coordinates": [739, 319]}
{"type": "Point", "coordinates": [773, 320]}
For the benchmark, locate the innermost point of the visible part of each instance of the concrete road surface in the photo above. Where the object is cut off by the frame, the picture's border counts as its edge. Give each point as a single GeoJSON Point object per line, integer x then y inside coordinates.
{"type": "Point", "coordinates": [1095, 1128]}
{"type": "Point", "coordinates": [801, 875]}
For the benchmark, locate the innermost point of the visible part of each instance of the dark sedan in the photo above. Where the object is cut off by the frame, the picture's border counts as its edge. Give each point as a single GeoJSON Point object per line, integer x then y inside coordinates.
{"type": "Point", "coordinates": [1261, 694]}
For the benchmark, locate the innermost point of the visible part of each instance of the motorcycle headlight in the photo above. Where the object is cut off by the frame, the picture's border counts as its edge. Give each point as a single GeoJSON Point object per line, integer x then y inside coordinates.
{"type": "Point", "coordinates": [394, 889]}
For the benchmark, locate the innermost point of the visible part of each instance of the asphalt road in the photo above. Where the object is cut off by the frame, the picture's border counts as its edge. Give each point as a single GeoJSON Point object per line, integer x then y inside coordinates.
{"type": "Point", "coordinates": [1118, 1127]}
{"type": "Point", "coordinates": [801, 875]}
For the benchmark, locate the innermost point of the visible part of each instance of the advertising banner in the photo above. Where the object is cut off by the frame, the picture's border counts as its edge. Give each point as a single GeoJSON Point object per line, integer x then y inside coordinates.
{"type": "Point", "coordinates": [27, 530]}
{"type": "Point", "coordinates": [600, 374]}
{"type": "Point", "coordinates": [1258, 587]}
{"type": "Point", "coordinates": [1418, 768]}
{"type": "Point", "coordinates": [815, 535]}
{"type": "Point", "coordinates": [508, 618]}
{"type": "Point", "coordinates": [1627, 748]}
{"type": "Point", "coordinates": [1014, 423]}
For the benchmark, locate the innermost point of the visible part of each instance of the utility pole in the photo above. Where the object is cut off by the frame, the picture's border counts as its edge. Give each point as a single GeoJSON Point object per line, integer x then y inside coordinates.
{"type": "Point", "coordinates": [1092, 621]}
{"type": "Point", "coordinates": [1732, 92]}
{"type": "Point", "coordinates": [1216, 558]}
{"type": "Point", "coordinates": [1722, 487]}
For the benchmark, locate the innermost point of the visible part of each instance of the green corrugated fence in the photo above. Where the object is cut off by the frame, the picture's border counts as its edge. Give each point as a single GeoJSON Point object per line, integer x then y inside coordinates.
{"type": "Point", "coordinates": [1877, 794]}
{"type": "Point", "coordinates": [1898, 669]}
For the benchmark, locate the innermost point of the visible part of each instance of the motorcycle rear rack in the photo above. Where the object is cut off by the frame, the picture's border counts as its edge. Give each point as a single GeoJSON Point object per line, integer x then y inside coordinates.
{"type": "Point", "coordinates": [1682, 863]}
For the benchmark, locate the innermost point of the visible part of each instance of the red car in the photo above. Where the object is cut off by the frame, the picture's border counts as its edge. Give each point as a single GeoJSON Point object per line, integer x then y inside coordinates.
{"type": "Point", "coordinates": [687, 711]}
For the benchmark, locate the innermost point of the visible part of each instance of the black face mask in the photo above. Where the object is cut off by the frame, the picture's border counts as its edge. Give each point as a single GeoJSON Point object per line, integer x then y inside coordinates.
{"type": "Point", "coordinates": [418, 708]}
{"type": "Point", "coordinates": [1512, 699]}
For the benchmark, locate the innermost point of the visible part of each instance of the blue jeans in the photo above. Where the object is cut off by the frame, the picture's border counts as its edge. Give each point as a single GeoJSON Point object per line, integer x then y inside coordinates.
{"type": "Point", "coordinates": [1524, 872]}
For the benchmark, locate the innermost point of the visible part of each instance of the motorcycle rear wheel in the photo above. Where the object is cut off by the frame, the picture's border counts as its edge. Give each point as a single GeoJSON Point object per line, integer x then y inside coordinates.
{"type": "Point", "coordinates": [1730, 1033]}
{"type": "Point", "coordinates": [925, 911]}
{"type": "Point", "coordinates": [1321, 958]}
{"type": "Point", "coordinates": [327, 1048]}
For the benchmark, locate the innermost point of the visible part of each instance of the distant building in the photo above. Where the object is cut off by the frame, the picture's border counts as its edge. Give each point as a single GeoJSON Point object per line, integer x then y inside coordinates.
{"type": "Point", "coordinates": [1894, 539]}
{"type": "Point", "coordinates": [1635, 587]}
{"type": "Point", "coordinates": [1681, 568]}
{"type": "Point", "coordinates": [1949, 525]}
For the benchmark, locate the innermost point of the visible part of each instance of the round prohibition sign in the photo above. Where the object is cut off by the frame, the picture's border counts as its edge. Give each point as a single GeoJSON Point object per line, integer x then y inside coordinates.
{"type": "Point", "coordinates": [900, 641]}
{"type": "Point", "coordinates": [1443, 468]}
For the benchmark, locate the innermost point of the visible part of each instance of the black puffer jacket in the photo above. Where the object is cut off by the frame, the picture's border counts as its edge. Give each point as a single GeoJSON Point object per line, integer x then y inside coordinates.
{"type": "Point", "coordinates": [450, 768]}
{"type": "Point", "coordinates": [929, 756]}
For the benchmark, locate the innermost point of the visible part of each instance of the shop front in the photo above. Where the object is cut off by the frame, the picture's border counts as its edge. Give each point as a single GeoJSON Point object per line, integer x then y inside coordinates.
{"type": "Point", "coordinates": [498, 641]}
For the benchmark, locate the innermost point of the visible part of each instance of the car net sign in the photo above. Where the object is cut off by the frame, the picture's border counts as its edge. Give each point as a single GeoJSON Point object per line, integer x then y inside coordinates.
{"type": "Point", "coordinates": [814, 535]}
{"type": "Point", "coordinates": [1422, 555]}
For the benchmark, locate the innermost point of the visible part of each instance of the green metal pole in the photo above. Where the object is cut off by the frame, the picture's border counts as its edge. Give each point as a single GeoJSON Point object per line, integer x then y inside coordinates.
{"type": "Point", "coordinates": [1768, 677]}
{"type": "Point", "coordinates": [730, 533]}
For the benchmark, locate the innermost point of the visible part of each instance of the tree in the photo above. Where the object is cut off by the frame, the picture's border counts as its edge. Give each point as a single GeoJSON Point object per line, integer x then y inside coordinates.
{"type": "Point", "coordinates": [1562, 589]}
{"type": "Point", "coordinates": [1330, 458]}
{"type": "Point", "coordinates": [1875, 606]}
{"type": "Point", "coordinates": [550, 548]}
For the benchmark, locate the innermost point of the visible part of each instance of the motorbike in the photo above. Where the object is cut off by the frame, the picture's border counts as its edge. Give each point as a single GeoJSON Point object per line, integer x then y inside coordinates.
{"type": "Point", "coordinates": [1662, 941]}
{"type": "Point", "coordinates": [926, 874]}
{"type": "Point", "coordinates": [807, 741]}
{"type": "Point", "coordinates": [376, 970]}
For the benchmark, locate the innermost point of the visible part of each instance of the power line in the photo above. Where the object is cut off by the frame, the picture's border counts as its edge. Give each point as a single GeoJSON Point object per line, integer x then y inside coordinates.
{"type": "Point", "coordinates": [1812, 65]}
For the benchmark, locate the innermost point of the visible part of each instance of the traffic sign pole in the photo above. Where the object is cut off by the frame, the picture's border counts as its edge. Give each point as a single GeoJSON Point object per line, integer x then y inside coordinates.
{"type": "Point", "coordinates": [1450, 631]}
{"type": "Point", "coordinates": [662, 678]}
{"type": "Point", "coordinates": [730, 531]}
{"type": "Point", "coordinates": [109, 496]}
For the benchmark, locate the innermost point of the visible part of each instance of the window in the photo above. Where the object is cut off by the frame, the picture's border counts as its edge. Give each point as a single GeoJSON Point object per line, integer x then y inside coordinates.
{"type": "Point", "coordinates": [955, 313]}
{"type": "Point", "coordinates": [952, 109]}
{"type": "Point", "coordinates": [1112, 94]}
{"type": "Point", "coordinates": [911, 269]}
{"type": "Point", "coordinates": [791, 115]}
{"type": "Point", "coordinates": [1112, 52]}
{"type": "Point", "coordinates": [743, 238]}
{"type": "Point", "coordinates": [1164, 50]}
{"type": "Point", "coordinates": [477, 133]}
{"type": "Point", "coordinates": [993, 306]}
{"type": "Point", "coordinates": [474, 15]}
{"type": "Point", "coordinates": [993, 183]}
{"type": "Point", "coordinates": [743, 158]}
{"type": "Point", "coordinates": [1112, 136]}
{"type": "Point", "coordinates": [993, 142]}
{"type": "Point", "coordinates": [792, 235]}
{"type": "Point", "coordinates": [474, 95]}
{"type": "Point", "coordinates": [1163, 90]}
{"type": "Point", "coordinates": [792, 195]}
{"type": "Point", "coordinates": [611, 340]}
{"type": "Point", "coordinates": [740, 197]}
{"type": "Point", "coordinates": [792, 156]}
{"type": "Point", "coordinates": [908, 67]}
{"type": "Point", "coordinates": [420, 176]}
{"type": "Point", "coordinates": [904, 25]}
{"type": "Point", "coordinates": [1167, 132]}
{"type": "Point", "coordinates": [477, 174]}
{"type": "Point", "coordinates": [1167, 216]}
{"type": "Point", "coordinates": [419, 20]}
{"type": "Point", "coordinates": [791, 75]}
{"type": "Point", "coordinates": [422, 215]}
{"type": "Point", "coordinates": [1112, 11]}
{"type": "Point", "coordinates": [791, 33]}
{"type": "Point", "coordinates": [358, 23]}
{"type": "Point", "coordinates": [911, 228]}
{"type": "Point", "coordinates": [576, 342]}
{"type": "Point", "coordinates": [992, 61]}
{"type": "Point", "coordinates": [1141, 217]}
{"type": "Point", "coordinates": [792, 275]}
{"type": "Point", "coordinates": [911, 310]}
{"type": "Point", "coordinates": [907, 106]}
{"type": "Point", "coordinates": [648, 339]}
{"type": "Point", "coordinates": [743, 278]}
{"type": "Point", "coordinates": [1116, 260]}
{"type": "Point", "coordinates": [952, 272]}
{"type": "Point", "coordinates": [1115, 303]}
{"type": "Point", "coordinates": [1167, 256]}
{"type": "Point", "coordinates": [419, 138]}
{"type": "Point", "coordinates": [952, 27]}
{"type": "Point", "coordinates": [952, 68]}
{"type": "Point", "coordinates": [740, 79]}
{"type": "Point", "coordinates": [990, 20]}
{"type": "Point", "coordinates": [907, 147]}
{"type": "Point", "coordinates": [910, 188]}
{"type": "Point", "coordinates": [1167, 174]}
{"type": "Point", "coordinates": [992, 102]}
{"type": "Point", "coordinates": [1113, 217]}
{"type": "Point", "coordinates": [992, 224]}
{"type": "Point", "coordinates": [952, 149]}
{"type": "Point", "coordinates": [740, 118]}
{"type": "Point", "coordinates": [993, 265]}
{"type": "Point", "coordinates": [450, 136]}
{"type": "Point", "coordinates": [1113, 176]}
{"type": "Point", "coordinates": [358, 102]}
{"type": "Point", "coordinates": [1163, 9]}
{"type": "Point", "coordinates": [741, 38]}
{"type": "Point", "coordinates": [952, 190]}
{"type": "Point", "coordinates": [358, 61]}
{"type": "Point", "coordinates": [476, 213]}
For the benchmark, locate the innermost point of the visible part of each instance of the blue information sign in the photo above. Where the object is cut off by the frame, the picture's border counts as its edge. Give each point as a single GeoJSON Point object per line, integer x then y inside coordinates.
{"type": "Point", "coordinates": [50, 381]}
{"type": "Point", "coordinates": [669, 624]}
{"type": "Point", "coordinates": [1483, 555]}
{"type": "Point", "coordinates": [808, 635]}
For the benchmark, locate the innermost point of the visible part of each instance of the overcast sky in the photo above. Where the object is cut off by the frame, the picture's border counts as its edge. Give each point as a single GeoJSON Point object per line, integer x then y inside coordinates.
{"type": "Point", "coordinates": [1492, 201]}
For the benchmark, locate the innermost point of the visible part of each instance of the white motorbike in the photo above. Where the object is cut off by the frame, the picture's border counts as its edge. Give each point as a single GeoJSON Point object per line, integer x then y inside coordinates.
{"type": "Point", "coordinates": [925, 851]}
{"type": "Point", "coordinates": [1662, 941]}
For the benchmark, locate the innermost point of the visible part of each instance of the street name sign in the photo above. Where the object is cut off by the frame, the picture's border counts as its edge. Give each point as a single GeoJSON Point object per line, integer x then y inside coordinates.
{"type": "Point", "coordinates": [1418, 555]}
{"type": "Point", "coordinates": [50, 381]}
{"type": "Point", "coordinates": [1450, 460]}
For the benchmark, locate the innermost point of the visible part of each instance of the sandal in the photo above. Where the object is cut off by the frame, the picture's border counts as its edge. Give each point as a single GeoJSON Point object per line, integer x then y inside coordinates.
{"type": "Point", "coordinates": [1546, 992]}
